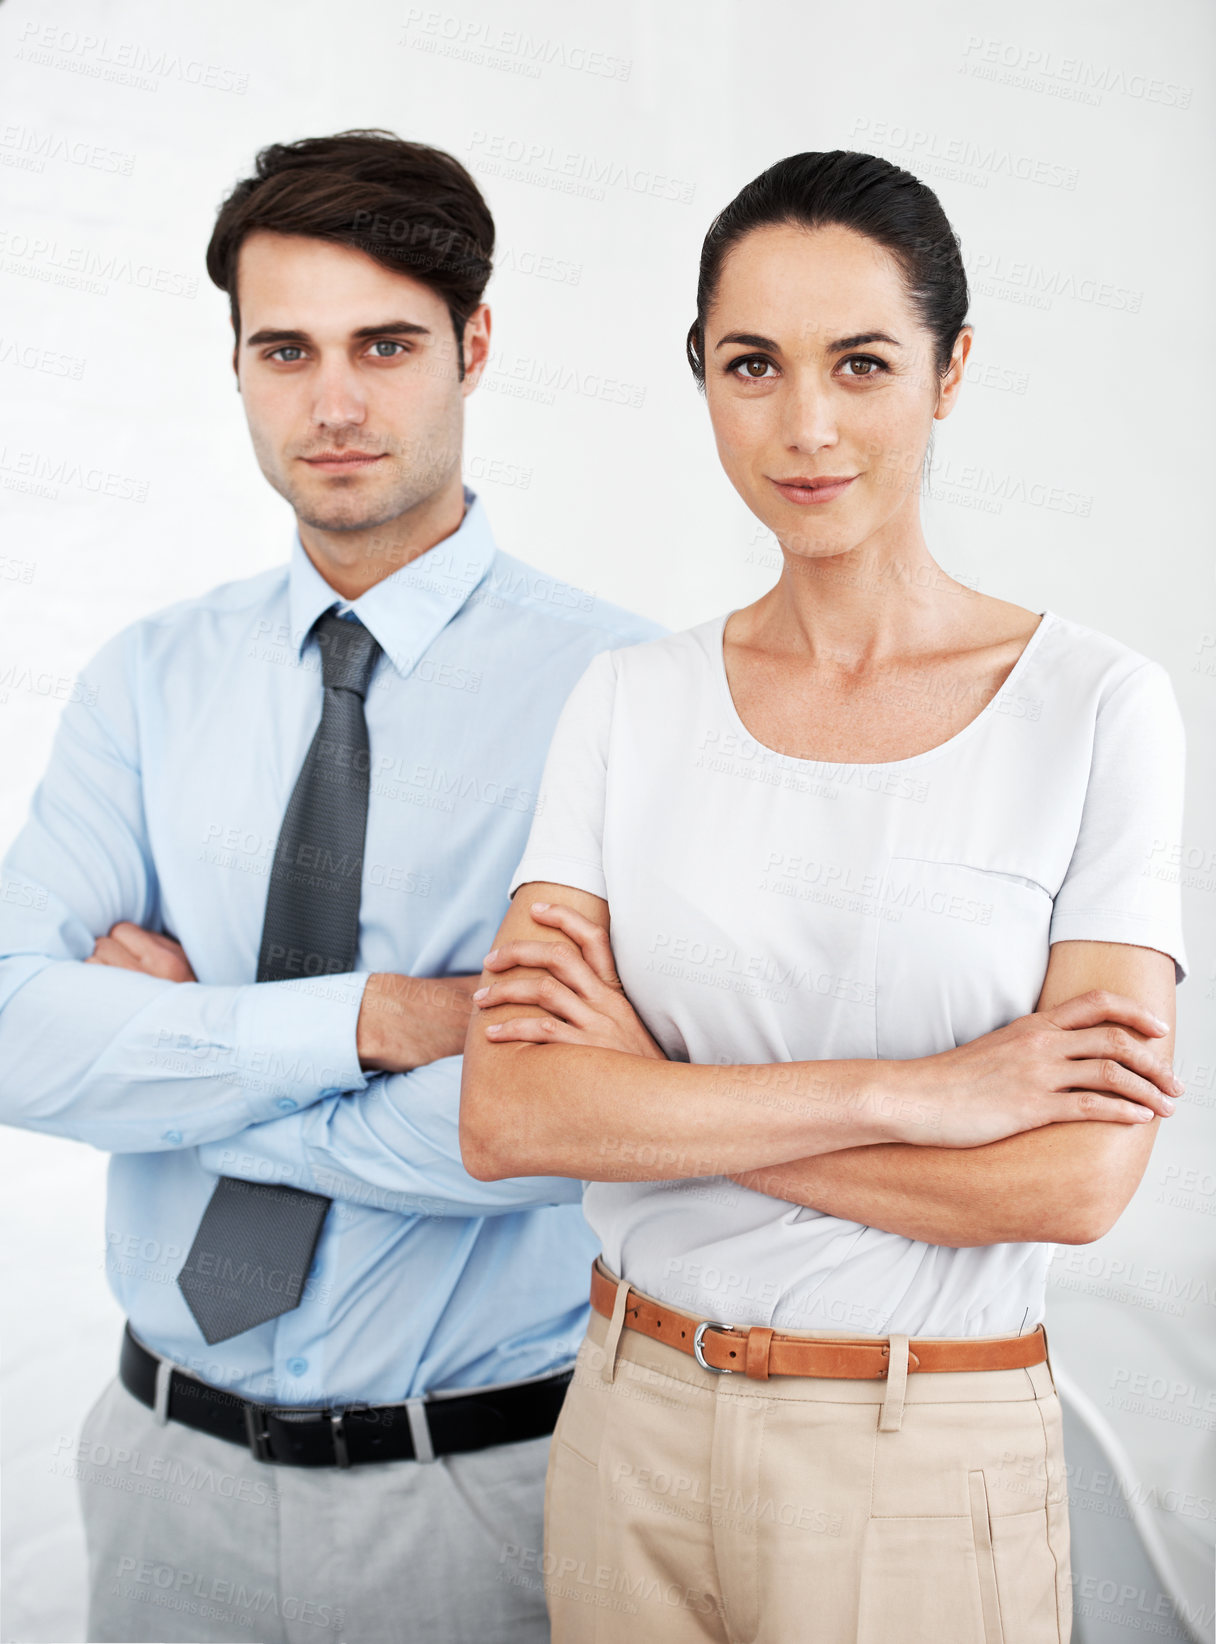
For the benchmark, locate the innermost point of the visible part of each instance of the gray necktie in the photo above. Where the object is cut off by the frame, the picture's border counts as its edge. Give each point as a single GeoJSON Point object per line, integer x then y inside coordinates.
{"type": "Point", "coordinates": [255, 1243]}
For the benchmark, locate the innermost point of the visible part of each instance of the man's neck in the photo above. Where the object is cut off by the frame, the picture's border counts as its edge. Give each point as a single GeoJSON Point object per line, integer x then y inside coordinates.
{"type": "Point", "coordinates": [354, 561]}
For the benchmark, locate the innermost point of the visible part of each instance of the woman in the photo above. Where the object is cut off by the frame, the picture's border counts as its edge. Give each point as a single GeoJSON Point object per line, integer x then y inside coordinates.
{"type": "Point", "coordinates": [888, 1004]}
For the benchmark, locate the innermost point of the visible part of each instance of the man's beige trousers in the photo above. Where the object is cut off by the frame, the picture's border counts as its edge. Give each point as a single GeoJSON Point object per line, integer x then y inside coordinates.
{"type": "Point", "coordinates": [682, 1505]}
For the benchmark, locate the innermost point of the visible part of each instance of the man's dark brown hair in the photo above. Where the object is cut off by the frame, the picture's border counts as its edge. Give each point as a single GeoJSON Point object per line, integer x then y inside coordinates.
{"type": "Point", "coordinates": [412, 208]}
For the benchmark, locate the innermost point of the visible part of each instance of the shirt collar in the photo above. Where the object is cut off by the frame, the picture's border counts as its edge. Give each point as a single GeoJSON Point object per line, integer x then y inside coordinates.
{"type": "Point", "coordinates": [406, 610]}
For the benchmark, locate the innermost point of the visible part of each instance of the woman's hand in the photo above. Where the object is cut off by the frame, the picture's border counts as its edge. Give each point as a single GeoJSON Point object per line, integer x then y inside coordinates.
{"type": "Point", "coordinates": [1046, 1068]}
{"type": "Point", "coordinates": [579, 988]}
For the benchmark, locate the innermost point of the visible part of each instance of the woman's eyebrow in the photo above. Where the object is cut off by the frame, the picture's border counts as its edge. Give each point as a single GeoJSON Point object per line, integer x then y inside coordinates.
{"type": "Point", "coordinates": [750, 341]}
{"type": "Point", "coordinates": [862, 337]}
{"type": "Point", "coordinates": [747, 340]}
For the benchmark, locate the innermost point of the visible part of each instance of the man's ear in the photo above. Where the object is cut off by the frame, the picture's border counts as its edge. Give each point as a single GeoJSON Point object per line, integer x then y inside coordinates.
{"type": "Point", "coordinates": [476, 346]}
{"type": "Point", "coordinates": [236, 351]}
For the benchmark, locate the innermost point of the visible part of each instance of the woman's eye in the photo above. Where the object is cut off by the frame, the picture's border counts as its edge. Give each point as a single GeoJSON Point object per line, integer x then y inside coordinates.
{"type": "Point", "coordinates": [871, 366]}
{"type": "Point", "coordinates": [752, 369]}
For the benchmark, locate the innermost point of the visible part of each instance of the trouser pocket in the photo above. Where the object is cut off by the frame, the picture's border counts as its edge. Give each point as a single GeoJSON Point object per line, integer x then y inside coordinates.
{"type": "Point", "coordinates": [985, 1562]}
{"type": "Point", "coordinates": [1017, 1561]}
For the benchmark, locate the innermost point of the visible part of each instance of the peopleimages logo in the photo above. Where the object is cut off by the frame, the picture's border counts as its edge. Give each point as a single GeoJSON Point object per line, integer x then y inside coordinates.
{"type": "Point", "coordinates": [31, 357]}
{"type": "Point", "coordinates": [1033, 285]}
{"type": "Point", "coordinates": [569, 171]}
{"type": "Point", "coordinates": [1075, 79]}
{"type": "Point", "coordinates": [50, 471]}
{"type": "Point", "coordinates": [126, 62]}
{"type": "Point", "coordinates": [968, 160]}
{"type": "Point", "coordinates": [38, 258]}
{"type": "Point", "coordinates": [30, 149]}
{"type": "Point", "coordinates": [487, 44]}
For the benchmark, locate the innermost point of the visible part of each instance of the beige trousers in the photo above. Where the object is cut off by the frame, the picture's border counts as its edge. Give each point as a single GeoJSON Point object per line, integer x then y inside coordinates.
{"type": "Point", "coordinates": [682, 1505]}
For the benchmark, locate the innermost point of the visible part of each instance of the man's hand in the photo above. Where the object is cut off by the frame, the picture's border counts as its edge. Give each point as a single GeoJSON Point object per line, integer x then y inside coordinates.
{"type": "Point", "coordinates": [130, 947]}
{"type": "Point", "coordinates": [408, 1021]}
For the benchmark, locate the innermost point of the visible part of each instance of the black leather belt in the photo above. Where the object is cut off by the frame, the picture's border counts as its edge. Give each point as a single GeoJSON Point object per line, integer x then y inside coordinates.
{"type": "Point", "coordinates": [357, 1433]}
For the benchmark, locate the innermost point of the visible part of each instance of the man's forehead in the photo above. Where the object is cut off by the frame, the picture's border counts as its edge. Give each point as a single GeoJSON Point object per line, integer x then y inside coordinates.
{"type": "Point", "coordinates": [286, 277]}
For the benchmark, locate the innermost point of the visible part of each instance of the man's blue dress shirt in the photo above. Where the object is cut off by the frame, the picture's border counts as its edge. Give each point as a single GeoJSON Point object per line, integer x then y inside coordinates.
{"type": "Point", "coordinates": [169, 777]}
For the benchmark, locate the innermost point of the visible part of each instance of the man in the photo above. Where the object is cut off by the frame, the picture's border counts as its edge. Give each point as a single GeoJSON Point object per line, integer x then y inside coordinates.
{"type": "Point", "coordinates": [267, 857]}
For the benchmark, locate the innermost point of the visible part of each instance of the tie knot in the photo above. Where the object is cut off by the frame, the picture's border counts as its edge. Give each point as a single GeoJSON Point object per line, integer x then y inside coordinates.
{"type": "Point", "coordinates": [348, 653]}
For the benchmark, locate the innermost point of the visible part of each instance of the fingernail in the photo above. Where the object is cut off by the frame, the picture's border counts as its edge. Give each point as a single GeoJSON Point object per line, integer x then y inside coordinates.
{"type": "Point", "coordinates": [1164, 1026]}
{"type": "Point", "coordinates": [1168, 1103]}
{"type": "Point", "coordinates": [539, 907]}
{"type": "Point", "coordinates": [493, 1027]}
{"type": "Point", "coordinates": [1179, 1087]}
{"type": "Point", "coordinates": [480, 993]}
{"type": "Point", "coordinates": [493, 954]}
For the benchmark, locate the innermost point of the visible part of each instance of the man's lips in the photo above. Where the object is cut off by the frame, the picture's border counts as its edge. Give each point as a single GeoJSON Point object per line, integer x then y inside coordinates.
{"type": "Point", "coordinates": [338, 461]}
{"type": "Point", "coordinates": [814, 490]}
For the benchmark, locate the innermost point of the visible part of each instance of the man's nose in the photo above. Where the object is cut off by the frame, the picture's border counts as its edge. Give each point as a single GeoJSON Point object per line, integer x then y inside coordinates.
{"type": "Point", "coordinates": [339, 400]}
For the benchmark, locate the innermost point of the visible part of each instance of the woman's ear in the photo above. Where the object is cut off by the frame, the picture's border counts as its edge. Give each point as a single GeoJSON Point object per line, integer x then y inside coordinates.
{"type": "Point", "coordinates": [951, 383]}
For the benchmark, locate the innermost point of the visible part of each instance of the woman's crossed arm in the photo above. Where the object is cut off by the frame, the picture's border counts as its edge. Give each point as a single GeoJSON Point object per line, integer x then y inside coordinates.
{"type": "Point", "coordinates": [1067, 1183]}
{"type": "Point", "coordinates": [562, 1078]}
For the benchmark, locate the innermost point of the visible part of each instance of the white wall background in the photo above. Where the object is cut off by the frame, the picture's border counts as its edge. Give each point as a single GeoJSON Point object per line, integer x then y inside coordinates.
{"type": "Point", "coordinates": [1071, 147]}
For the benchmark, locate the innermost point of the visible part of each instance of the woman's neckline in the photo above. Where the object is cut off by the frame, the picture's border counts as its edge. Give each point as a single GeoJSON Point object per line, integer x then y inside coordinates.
{"type": "Point", "coordinates": [717, 647]}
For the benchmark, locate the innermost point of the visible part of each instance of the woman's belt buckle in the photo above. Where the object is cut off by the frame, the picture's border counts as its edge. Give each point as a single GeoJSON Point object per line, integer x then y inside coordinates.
{"type": "Point", "coordinates": [698, 1354]}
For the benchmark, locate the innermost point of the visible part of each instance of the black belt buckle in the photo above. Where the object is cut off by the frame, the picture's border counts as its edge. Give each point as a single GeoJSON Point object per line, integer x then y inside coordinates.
{"type": "Point", "coordinates": [341, 1454]}
{"type": "Point", "coordinates": [259, 1437]}
{"type": "Point", "coordinates": [416, 1429]}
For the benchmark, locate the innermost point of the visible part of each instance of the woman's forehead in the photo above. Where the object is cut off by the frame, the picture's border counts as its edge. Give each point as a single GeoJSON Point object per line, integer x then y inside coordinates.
{"type": "Point", "coordinates": [824, 283]}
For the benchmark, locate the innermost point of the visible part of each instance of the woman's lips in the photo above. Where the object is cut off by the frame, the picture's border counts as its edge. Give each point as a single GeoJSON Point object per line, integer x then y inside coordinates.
{"type": "Point", "coordinates": [815, 491]}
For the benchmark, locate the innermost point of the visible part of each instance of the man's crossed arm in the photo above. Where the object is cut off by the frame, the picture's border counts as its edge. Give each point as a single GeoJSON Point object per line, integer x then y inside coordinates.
{"type": "Point", "coordinates": [393, 1146]}
{"type": "Point", "coordinates": [404, 1022]}
{"type": "Point", "coordinates": [110, 1040]}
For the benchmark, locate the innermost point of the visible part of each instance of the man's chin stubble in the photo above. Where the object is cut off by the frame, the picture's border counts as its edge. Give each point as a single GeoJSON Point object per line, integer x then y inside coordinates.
{"type": "Point", "coordinates": [341, 515]}
{"type": "Point", "coordinates": [337, 525]}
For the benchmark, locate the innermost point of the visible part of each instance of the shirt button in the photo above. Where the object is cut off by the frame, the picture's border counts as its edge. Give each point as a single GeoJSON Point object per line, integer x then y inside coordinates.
{"type": "Point", "coordinates": [285, 1104]}
{"type": "Point", "coordinates": [297, 1367]}
{"type": "Point", "coordinates": [173, 1136]}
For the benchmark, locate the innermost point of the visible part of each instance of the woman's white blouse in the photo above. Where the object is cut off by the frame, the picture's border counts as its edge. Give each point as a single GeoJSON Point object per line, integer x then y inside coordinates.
{"type": "Point", "coordinates": [768, 909]}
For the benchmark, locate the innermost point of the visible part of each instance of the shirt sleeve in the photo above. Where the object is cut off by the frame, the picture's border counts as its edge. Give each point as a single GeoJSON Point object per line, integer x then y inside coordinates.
{"type": "Point", "coordinates": [124, 1061]}
{"type": "Point", "coordinates": [566, 841]}
{"type": "Point", "coordinates": [1122, 883]}
{"type": "Point", "coordinates": [394, 1146]}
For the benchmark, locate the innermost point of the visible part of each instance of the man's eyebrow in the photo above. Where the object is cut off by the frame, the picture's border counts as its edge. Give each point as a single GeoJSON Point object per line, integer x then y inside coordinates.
{"type": "Point", "coordinates": [748, 340]}
{"type": "Point", "coordinates": [391, 328]}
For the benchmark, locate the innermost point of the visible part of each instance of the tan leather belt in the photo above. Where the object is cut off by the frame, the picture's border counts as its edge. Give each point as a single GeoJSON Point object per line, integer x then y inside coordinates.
{"type": "Point", "coordinates": [760, 1352]}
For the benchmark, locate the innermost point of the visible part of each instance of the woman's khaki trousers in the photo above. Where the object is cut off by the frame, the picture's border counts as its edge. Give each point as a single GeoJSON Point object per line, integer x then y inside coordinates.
{"type": "Point", "coordinates": [682, 1505]}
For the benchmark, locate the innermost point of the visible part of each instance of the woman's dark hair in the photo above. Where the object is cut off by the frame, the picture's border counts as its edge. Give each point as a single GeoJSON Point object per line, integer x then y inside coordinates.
{"type": "Point", "coordinates": [857, 191]}
{"type": "Point", "coordinates": [412, 208]}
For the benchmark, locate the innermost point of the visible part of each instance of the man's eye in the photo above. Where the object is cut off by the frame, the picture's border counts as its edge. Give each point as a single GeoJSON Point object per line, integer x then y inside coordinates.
{"type": "Point", "coordinates": [287, 349]}
{"type": "Point", "coordinates": [386, 343]}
